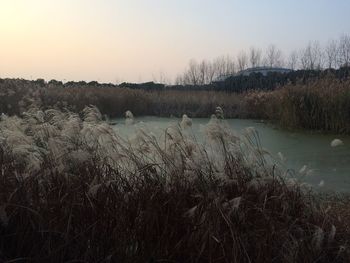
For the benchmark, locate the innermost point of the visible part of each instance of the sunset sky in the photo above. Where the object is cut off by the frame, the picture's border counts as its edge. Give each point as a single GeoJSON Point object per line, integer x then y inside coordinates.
{"type": "Point", "coordinates": [138, 40]}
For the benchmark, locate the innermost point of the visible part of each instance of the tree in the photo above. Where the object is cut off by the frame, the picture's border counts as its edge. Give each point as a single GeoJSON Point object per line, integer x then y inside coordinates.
{"type": "Point", "coordinates": [162, 78]}
{"type": "Point", "coordinates": [311, 57]}
{"type": "Point", "coordinates": [273, 57]}
{"type": "Point", "coordinates": [179, 80]}
{"type": "Point", "coordinates": [331, 53]}
{"type": "Point", "coordinates": [211, 73]}
{"type": "Point", "coordinates": [344, 50]}
{"type": "Point", "coordinates": [224, 66]}
{"type": "Point", "coordinates": [230, 65]}
{"type": "Point", "coordinates": [242, 60]}
{"type": "Point", "coordinates": [193, 73]}
{"type": "Point", "coordinates": [254, 57]}
{"type": "Point", "coordinates": [293, 60]}
{"type": "Point", "coordinates": [203, 72]}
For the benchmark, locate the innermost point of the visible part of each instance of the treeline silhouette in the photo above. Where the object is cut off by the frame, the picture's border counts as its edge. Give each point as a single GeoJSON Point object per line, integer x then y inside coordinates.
{"type": "Point", "coordinates": [255, 81]}
{"type": "Point", "coordinates": [235, 83]}
{"type": "Point", "coordinates": [258, 81]}
{"type": "Point", "coordinates": [314, 56]}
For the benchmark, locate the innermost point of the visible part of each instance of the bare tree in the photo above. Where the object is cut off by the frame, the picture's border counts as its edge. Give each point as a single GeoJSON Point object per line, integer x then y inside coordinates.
{"type": "Point", "coordinates": [219, 67]}
{"type": "Point", "coordinates": [311, 57]}
{"type": "Point", "coordinates": [254, 57]}
{"type": "Point", "coordinates": [319, 55]}
{"type": "Point", "coordinates": [344, 50]}
{"type": "Point", "coordinates": [193, 73]}
{"type": "Point", "coordinates": [331, 53]}
{"type": "Point", "coordinates": [161, 78]}
{"type": "Point", "coordinates": [179, 80]}
{"type": "Point", "coordinates": [304, 59]}
{"type": "Point", "coordinates": [273, 57]}
{"type": "Point", "coordinates": [230, 65]}
{"type": "Point", "coordinates": [210, 74]}
{"type": "Point", "coordinates": [224, 66]}
{"type": "Point", "coordinates": [186, 78]}
{"type": "Point", "coordinates": [293, 60]}
{"type": "Point", "coordinates": [242, 60]}
{"type": "Point", "coordinates": [203, 71]}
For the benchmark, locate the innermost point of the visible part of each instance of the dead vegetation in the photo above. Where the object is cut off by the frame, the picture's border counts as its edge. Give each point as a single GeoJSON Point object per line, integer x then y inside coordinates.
{"type": "Point", "coordinates": [72, 190]}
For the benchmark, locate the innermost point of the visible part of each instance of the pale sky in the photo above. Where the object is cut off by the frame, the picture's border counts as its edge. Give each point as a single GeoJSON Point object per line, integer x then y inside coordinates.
{"type": "Point", "coordinates": [137, 40]}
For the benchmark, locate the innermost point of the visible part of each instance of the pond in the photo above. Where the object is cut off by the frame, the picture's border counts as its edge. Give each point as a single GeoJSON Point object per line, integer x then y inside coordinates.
{"type": "Point", "coordinates": [330, 165]}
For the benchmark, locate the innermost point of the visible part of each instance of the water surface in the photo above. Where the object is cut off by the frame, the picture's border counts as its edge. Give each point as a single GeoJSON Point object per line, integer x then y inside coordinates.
{"type": "Point", "coordinates": [329, 164]}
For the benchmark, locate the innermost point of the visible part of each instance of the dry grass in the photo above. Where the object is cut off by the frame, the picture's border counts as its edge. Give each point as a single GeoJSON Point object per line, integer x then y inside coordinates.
{"type": "Point", "coordinates": [17, 96]}
{"type": "Point", "coordinates": [323, 104]}
{"type": "Point", "coordinates": [318, 105]}
{"type": "Point", "coordinates": [71, 190]}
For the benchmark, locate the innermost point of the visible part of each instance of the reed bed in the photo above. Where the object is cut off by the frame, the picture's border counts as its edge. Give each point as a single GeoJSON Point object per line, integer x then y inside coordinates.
{"type": "Point", "coordinates": [17, 96]}
{"type": "Point", "coordinates": [72, 190]}
{"type": "Point", "coordinates": [115, 101]}
{"type": "Point", "coordinates": [322, 104]}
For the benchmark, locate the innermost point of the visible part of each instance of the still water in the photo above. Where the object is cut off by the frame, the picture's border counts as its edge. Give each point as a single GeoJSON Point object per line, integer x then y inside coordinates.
{"type": "Point", "coordinates": [330, 165]}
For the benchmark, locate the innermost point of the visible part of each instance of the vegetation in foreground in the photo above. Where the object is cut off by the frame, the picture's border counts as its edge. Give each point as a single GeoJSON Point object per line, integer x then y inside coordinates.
{"type": "Point", "coordinates": [72, 190]}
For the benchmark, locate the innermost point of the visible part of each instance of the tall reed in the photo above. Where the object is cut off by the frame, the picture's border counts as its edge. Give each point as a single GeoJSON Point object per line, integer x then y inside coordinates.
{"type": "Point", "coordinates": [72, 190]}
{"type": "Point", "coordinates": [321, 104]}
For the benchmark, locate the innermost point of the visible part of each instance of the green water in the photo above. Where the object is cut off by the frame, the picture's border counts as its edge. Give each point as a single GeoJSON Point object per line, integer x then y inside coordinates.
{"type": "Point", "coordinates": [329, 164]}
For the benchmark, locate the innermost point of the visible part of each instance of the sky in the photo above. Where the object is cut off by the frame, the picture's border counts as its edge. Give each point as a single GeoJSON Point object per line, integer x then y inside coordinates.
{"type": "Point", "coordinates": [143, 40]}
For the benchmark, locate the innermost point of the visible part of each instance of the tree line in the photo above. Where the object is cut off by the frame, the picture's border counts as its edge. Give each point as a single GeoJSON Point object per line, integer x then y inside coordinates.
{"type": "Point", "coordinates": [234, 83]}
{"type": "Point", "coordinates": [309, 63]}
{"type": "Point", "coordinates": [335, 54]}
{"type": "Point", "coordinates": [254, 81]}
